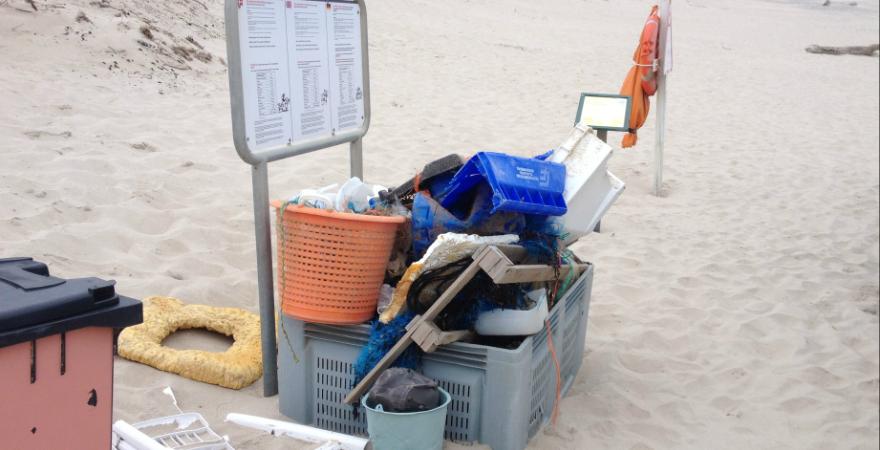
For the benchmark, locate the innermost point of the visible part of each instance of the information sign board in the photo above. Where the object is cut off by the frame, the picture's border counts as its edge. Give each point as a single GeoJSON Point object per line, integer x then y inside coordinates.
{"type": "Point", "coordinates": [298, 75]}
{"type": "Point", "coordinates": [604, 111]}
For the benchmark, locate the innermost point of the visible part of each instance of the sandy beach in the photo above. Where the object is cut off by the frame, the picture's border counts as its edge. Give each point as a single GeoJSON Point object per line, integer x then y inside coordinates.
{"type": "Point", "coordinates": [739, 309]}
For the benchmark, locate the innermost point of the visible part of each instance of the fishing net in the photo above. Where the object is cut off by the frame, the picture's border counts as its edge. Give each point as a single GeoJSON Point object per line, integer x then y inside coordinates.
{"type": "Point", "coordinates": [382, 338]}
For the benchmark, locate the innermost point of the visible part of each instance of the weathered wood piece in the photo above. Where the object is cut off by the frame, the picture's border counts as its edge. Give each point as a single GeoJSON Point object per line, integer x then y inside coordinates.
{"type": "Point", "coordinates": [429, 336]}
{"type": "Point", "coordinates": [502, 270]}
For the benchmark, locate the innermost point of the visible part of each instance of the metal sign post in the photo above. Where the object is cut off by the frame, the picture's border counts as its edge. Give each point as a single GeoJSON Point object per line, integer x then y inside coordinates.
{"type": "Point", "coordinates": [664, 49]}
{"type": "Point", "coordinates": [298, 82]}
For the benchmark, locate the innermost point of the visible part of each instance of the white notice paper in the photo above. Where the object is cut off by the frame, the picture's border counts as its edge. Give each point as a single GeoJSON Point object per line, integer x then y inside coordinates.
{"type": "Point", "coordinates": [604, 112]}
{"type": "Point", "coordinates": [302, 70]}
{"type": "Point", "coordinates": [309, 67]}
{"type": "Point", "coordinates": [264, 73]}
{"type": "Point", "coordinates": [346, 74]}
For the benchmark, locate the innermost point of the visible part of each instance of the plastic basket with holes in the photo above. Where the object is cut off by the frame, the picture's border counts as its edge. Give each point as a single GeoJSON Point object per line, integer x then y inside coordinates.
{"type": "Point", "coordinates": [331, 264]}
{"type": "Point", "coordinates": [500, 397]}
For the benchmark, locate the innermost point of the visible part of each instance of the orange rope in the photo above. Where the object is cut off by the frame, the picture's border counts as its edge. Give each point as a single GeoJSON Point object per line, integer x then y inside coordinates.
{"type": "Point", "coordinates": [558, 372]}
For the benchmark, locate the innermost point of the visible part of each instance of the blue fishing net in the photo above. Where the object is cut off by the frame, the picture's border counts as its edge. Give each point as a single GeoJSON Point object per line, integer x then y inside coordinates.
{"type": "Point", "coordinates": [382, 338]}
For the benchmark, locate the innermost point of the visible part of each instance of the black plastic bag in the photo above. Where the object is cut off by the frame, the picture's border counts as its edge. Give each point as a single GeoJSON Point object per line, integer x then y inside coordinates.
{"type": "Point", "coordinates": [404, 390]}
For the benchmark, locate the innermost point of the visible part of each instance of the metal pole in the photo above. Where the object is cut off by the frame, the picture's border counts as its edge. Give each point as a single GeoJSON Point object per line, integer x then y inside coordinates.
{"type": "Point", "coordinates": [603, 136]}
{"type": "Point", "coordinates": [661, 100]}
{"type": "Point", "coordinates": [260, 179]}
{"type": "Point", "coordinates": [356, 151]}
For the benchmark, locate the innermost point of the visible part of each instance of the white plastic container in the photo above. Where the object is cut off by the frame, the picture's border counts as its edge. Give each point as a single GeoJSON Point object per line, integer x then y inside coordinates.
{"type": "Point", "coordinates": [185, 431]}
{"type": "Point", "coordinates": [590, 189]}
{"type": "Point", "coordinates": [515, 322]}
{"type": "Point", "coordinates": [419, 430]}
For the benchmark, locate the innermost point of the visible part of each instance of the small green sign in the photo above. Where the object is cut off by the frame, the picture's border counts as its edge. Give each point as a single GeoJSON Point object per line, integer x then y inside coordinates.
{"type": "Point", "coordinates": [604, 111]}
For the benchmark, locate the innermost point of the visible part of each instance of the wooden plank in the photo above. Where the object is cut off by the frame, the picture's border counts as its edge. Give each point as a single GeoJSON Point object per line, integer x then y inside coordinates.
{"type": "Point", "coordinates": [516, 253]}
{"type": "Point", "coordinates": [452, 290]}
{"type": "Point", "coordinates": [529, 273]}
{"type": "Point", "coordinates": [448, 337]}
{"type": "Point", "coordinates": [429, 336]}
{"type": "Point", "coordinates": [425, 334]}
{"type": "Point", "coordinates": [492, 261]}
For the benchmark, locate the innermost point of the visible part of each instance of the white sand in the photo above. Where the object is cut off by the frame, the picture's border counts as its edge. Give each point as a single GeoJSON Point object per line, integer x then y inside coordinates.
{"type": "Point", "coordinates": [737, 310]}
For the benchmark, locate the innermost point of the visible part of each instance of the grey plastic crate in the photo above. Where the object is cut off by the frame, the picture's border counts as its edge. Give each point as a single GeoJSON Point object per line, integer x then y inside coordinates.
{"type": "Point", "coordinates": [500, 397]}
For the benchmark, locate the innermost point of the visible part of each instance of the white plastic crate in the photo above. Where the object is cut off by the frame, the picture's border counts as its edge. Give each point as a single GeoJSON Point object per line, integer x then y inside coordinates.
{"type": "Point", "coordinates": [184, 431]}
{"type": "Point", "coordinates": [590, 188]}
{"type": "Point", "coordinates": [500, 397]}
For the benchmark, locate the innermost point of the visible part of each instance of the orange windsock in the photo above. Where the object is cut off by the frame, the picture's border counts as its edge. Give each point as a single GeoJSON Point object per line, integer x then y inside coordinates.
{"type": "Point", "coordinates": [641, 81]}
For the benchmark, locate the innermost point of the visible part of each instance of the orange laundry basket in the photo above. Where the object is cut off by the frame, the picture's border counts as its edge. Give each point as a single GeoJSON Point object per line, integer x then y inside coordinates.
{"type": "Point", "coordinates": [331, 264]}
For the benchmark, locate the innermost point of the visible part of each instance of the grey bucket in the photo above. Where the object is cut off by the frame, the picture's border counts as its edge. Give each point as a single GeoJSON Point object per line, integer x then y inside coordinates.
{"type": "Point", "coordinates": [421, 430]}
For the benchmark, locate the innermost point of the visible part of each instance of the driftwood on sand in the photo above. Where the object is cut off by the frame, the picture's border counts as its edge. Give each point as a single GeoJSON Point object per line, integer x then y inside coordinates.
{"type": "Point", "coordinates": [867, 50]}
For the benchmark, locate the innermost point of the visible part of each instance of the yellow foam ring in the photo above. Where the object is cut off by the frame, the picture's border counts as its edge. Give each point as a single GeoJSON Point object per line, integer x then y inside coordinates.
{"type": "Point", "coordinates": [238, 367]}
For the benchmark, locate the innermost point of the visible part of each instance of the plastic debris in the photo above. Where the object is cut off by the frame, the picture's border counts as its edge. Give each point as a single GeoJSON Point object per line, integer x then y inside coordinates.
{"type": "Point", "coordinates": [323, 198]}
{"type": "Point", "coordinates": [433, 178]}
{"type": "Point", "coordinates": [430, 219]}
{"type": "Point", "coordinates": [515, 322]}
{"type": "Point", "coordinates": [385, 294]}
{"type": "Point", "coordinates": [330, 439]}
{"type": "Point", "coordinates": [382, 339]}
{"type": "Point", "coordinates": [417, 430]}
{"type": "Point", "coordinates": [590, 189]}
{"type": "Point", "coordinates": [447, 248]}
{"type": "Point", "coordinates": [167, 391]}
{"type": "Point", "coordinates": [353, 196]}
{"type": "Point", "coordinates": [524, 185]}
{"type": "Point", "coordinates": [186, 431]}
{"type": "Point", "coordinates": [404, 390]}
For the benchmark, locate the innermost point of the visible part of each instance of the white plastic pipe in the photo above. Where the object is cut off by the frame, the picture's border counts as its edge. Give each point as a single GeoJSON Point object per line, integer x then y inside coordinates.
{"type": "Point", "coordinates": [297, 431]}
{"type": "Point", "coordinates": [331, 446]}
{"type": "Point", "coordinates": [133, 439]}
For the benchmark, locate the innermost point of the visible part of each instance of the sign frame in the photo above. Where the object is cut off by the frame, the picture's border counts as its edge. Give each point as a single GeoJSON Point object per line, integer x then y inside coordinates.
{"type": "Point", "coordinates": [580, 110]}
{"type": "Point", "coordinates": [236, 93]}
{"type": "Point", "coordinates": [259, 162]}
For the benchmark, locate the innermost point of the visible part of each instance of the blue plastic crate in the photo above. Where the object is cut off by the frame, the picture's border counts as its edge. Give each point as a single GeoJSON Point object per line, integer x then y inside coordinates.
{"type": "Point", "coordinates": [524, 185]}
{"type": "Point", "coordinates": [500, 397]}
